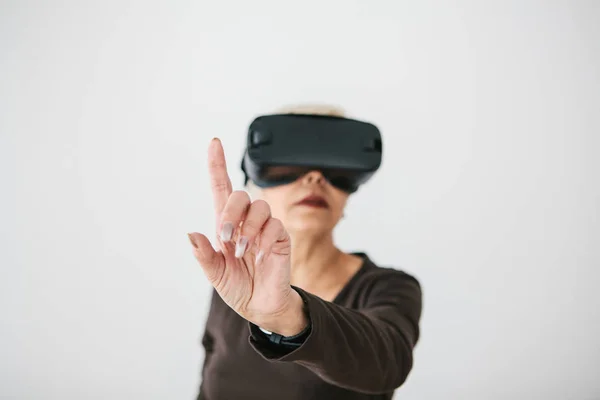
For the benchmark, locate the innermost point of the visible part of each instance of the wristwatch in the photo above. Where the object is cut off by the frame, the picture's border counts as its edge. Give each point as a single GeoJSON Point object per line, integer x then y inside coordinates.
{"type": "Point", "coordinates": [290, 341]}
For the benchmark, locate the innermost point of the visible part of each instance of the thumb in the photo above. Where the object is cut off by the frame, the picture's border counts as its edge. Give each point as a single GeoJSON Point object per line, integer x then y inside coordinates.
{"type": "Point", "coordinates": [210, 261]}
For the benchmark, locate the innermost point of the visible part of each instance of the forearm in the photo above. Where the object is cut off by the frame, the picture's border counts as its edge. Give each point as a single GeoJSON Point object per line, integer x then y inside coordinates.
{"type": "Point", "coordinates": [350, 349]}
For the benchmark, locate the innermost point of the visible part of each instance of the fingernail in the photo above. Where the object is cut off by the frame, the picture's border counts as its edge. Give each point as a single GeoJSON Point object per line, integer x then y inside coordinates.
{"type": "Point", "coordinates": [259, 256]}
{"type": "Point", "coordinates": [226, 231]}
{"type": "Point", "coordinates": [240, 246]}
{"type": "Point", "coordinates": [192, 240]}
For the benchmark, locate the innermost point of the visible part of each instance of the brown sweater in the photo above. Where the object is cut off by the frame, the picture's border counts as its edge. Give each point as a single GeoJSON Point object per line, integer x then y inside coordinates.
{"type": "Point", "coordinates": [359, 345]}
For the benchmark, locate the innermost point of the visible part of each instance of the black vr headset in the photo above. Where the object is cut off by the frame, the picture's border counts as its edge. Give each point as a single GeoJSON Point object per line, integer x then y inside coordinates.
{"type": "Point", "coordinates": [281, 148]}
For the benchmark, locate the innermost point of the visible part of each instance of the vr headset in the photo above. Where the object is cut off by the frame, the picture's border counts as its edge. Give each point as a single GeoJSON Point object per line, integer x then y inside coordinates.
{"type": "Point", "coordinates": [281, 148]}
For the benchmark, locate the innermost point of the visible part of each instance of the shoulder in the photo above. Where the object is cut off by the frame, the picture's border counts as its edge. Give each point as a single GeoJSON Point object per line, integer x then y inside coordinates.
{"type": "Point", "coordinates": [387, 283]}
{"type": "Point", "coordinates": [393, 295]}
{"type": "Point", "coordinates": [374, 272]}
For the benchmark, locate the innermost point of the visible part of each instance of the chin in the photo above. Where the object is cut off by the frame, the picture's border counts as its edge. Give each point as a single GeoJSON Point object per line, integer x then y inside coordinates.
{"type": "Point", "coordinates": [308, 225]}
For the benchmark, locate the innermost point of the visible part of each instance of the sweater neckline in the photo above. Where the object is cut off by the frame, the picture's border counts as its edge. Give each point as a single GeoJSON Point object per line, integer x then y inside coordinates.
{"type": "Point", "coordinates": [365, 263]}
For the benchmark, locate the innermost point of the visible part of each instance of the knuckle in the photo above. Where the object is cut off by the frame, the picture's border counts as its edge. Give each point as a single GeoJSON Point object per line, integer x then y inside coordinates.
{"type": "Point", "coordinates": [220, 185]}
{"type": "Point", "coordinates": [258, 216]}
{"type": "Point", "coordinates": [277, 223]}
{"type": "Point", "coordinates": [251, 228]}
{"type": "Point", "coordinates": [236, 203]}
{"type": "Point", "coordinates": [262, 205]}
{"type": "Point", "coordinates": [260, 211]}
{"type": "Point", "coordinates": [216, 163]}
{"type": "Point", "coordinates": [241, 195]}
{"type": "Point", "coordinates": [228, 216]}
{"type": "Point", "coordinates": [276, 226]}
{"type": "Point", "coordinates": [272, 231]}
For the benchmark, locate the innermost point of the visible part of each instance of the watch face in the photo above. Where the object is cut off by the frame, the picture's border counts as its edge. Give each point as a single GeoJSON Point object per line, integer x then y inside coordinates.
{"type": "Point", "coordinates": [265, 331]}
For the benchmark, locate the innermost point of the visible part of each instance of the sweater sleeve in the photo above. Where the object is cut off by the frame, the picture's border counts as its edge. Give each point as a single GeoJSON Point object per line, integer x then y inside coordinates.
{"type": "Point", "coordinates": [367, 350]}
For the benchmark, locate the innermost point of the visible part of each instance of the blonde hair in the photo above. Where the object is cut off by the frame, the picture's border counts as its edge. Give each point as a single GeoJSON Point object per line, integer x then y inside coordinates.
{"type": "Point", "coordinates": [313, 109]}
{"type": "Point", "coordinates": [303, 108]}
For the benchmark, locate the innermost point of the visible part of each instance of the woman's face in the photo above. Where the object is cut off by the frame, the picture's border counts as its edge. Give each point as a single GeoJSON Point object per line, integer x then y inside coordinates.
{"type": "Point", "coordinates": [310, 204]}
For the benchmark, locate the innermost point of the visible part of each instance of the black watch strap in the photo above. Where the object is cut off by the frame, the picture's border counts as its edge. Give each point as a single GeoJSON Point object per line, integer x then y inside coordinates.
{"type": "Point", "coordinates": [290, 341]}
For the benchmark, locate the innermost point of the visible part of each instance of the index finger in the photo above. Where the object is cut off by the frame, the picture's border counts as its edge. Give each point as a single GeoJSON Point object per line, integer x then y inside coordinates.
{"type": "Point", "coordinates": [220, 183]}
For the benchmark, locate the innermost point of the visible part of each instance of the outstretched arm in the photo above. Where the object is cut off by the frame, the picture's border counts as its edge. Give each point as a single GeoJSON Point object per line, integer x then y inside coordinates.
{"type": "Point", "coordinates": [368, 350]}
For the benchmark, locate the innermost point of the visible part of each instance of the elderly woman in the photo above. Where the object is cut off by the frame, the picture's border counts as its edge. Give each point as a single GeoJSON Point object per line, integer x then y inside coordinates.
{"type": "Point", "coordinates": [292, 316]}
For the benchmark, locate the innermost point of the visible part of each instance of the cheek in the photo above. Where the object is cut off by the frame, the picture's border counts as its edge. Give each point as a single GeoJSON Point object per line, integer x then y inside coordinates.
{"type": "Point", "coordinates": [339, 202]}
{"type": "Point", "coordinates": [338, 211]}
{"type": "Point", "coordinates": [277, 199]}
{"type": "Point", "coordinates": [277, 210]}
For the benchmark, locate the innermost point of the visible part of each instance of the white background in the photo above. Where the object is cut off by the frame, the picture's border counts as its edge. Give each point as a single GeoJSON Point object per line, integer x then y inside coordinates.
{"type": "Point", "coordinates": [488, 193]}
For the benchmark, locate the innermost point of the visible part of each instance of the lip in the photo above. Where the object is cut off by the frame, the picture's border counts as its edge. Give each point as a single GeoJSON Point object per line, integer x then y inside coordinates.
{"type": "Point", "coordinates": [313, 200]}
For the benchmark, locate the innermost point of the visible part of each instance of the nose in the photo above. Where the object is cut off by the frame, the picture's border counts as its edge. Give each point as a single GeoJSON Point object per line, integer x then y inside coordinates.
{"type": "Point", "coordinates": [314, 177]}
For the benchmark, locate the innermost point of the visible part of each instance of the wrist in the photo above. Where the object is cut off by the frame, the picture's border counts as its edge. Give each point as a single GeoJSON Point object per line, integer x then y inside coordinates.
{"type": "Point", "coordinates": [292, 321]}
